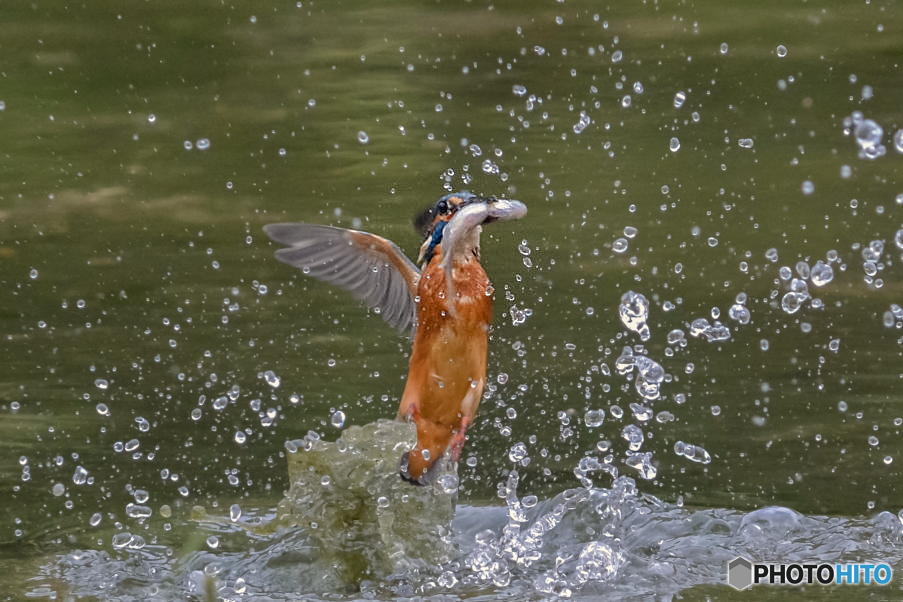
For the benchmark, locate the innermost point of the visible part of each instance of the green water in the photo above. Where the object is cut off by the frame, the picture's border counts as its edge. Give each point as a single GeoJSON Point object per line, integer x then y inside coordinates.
{"type": "Point", "coordinates": [163, 245]}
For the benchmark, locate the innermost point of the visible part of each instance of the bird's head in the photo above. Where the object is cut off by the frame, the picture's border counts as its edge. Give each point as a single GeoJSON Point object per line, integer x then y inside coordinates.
{"type": "Point", "coordinates": [453, 224]}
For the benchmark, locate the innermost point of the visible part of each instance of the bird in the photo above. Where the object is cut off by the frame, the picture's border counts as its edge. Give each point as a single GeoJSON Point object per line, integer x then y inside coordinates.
{"type": "Point", "coordinates": [444, 305]}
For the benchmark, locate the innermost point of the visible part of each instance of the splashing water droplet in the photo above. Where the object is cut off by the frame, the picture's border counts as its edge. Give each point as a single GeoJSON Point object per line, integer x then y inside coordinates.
{"type": "Point", "coordinates": [898, 140]}
{"type": "Point", "coordinates": [517, 452]}
{"type": "Point", "coordinates": [634, 313]}
{"type": "Point", "coordinates": [271, 379]}
{"type": "Point", "coordinates": [594, 418]}
{"type": "Point", "coordinates": [80, 476]}
{"type": "Point", "coordinates": [694, 453]}
{"type": "Point", "coordinates": [821, 273]}
{"type": "Point", "coordinates": [642, 462]}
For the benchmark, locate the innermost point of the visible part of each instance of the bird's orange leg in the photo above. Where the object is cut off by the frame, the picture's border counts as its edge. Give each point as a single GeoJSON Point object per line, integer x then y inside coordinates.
{"type": "Point", "coordinates": [460, 436]}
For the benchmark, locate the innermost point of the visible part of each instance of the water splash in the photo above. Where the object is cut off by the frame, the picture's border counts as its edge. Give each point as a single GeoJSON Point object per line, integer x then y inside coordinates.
{"type": "Point", "coordinates": [365, 521]}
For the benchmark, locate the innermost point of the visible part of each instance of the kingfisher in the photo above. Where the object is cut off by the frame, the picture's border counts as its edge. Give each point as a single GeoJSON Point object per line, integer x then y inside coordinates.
{"type": "Point", "coordinates": [445, 305]}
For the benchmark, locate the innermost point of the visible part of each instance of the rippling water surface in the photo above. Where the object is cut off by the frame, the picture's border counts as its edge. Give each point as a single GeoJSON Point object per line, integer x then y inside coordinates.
{"type": "Point", "coordinates": [698, 334]}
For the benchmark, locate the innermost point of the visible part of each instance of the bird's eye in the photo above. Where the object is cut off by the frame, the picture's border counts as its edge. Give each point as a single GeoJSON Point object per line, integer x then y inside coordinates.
{"type": "Point", "coordinates": [442, 207]}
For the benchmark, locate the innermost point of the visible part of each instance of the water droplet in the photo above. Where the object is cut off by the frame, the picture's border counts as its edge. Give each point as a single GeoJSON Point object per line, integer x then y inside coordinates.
{"type": "Point", "coordinates": [582, 122]}
{"type": "Point", "coordinates": [517, 452]}
{"type": "Point", "coordinates": [781, 51]}
{"type": "Point", "coordinates": [271, 379]}
{"type": "Point", "coordinates": [138, 511]}
{"type": "Point", "coordinates": [739, 313]}
{"type": "Point", "coordinates": [202, 143]}
{"type": "Point", "coordinates": [102, 409]}
{"type": "Point", "coordinates": [679, 98]}
{"type": "Point", "coordinates": [633, 435]}
{"type": "Point", "coordinates": [234, 512]}
{"type": "Point", "coordinates": [594, 418]}
{"type": "Point", "coordinates": [337, 419]}
{"type": "Point", "coordinates": [80, 476]}
{"type": "Point", "coordinates": [674, 144]}
{"type": "Point", "coordinates": [362, 137]}
{"type": "Point", "coordinates": [95, 519]}
{"type": "Point", "coordinates": [619, 246]}
{"type": "Point", "coordinates": [58, 489]}
{"type": "Point", "coordinates": [745, 142]}
{"type": "Point", "coordinates": [213, 542]}
{"type": "Point", "coordinates": [101, 383]}
{"type": "Point", "coordinates": [712, 333]}
{"type": "Point", "coordinates": [634, 313]}
{"type": "Point", "coordinates": [868, 135]}
{"type": "Point", "coordinates": [694, 453]}
{"type": "Point", "coordinates": [821, 273]}
{"type": "Point", "coordinates": [519, 90]}
{"type": "Point", "coordinates": [240, 437]}
{"type": "Point", "coordinates": [807, 187]}
{"type": "Point", "coordinates": [898, 140]}
{"type": "Point", "coordinates": [791, 302]}
{"type": "Point", "coordinates": [121, 540]}
{"type": "Point", "coordinates": [642, 462]}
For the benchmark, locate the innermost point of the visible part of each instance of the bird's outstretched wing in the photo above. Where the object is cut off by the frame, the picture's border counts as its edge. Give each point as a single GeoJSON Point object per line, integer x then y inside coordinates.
{"type": "Point", "coordinates": [370, 267]}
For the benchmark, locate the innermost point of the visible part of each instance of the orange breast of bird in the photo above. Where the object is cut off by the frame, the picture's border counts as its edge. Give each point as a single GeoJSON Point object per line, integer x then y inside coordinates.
{"type": "Point", "coordinates": [448, 361]}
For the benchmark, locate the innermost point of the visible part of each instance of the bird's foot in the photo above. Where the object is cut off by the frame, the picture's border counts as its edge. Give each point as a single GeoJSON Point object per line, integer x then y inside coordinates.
{"type": "Point", "coordinates": [458, 439]}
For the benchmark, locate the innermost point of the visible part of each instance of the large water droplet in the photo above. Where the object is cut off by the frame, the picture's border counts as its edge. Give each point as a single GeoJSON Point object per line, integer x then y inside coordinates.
{"type": "Point", "coordinates": [594, 418]}
{"type": "Point", "coordinates": [634, 312]}
{"type": "Point", "coordinates": [271, 379]}
{"type": "Point", "coordinates": [694, 453]}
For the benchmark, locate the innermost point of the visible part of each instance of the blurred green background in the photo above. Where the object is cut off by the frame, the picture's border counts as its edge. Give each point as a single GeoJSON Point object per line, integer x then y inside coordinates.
{"type": "Point", "coordinates": [145, 144]}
